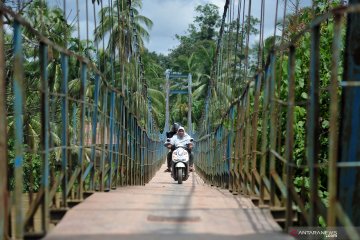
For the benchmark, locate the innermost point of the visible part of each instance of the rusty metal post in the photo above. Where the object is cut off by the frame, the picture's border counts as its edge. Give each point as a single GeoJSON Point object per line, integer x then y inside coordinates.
{"type": "Point", "coordinates": [273, 127]}
{"type": "Point", "coordinates": [4, 194]}
{"type": "Point", "coordinates": [19, 134]}
{"type": "Point", "coordinates": [290, 138]}
{"type": "Point", "coordinates": [255, 118]}
{"type": "Point", "coordinates": [229, 149]}
{"type": "Point", "coordinates": [264, 133]}
{"type": "Point", "coordinates": [349, 139]}
{"type": "Point", "coordinates": [247, 157]}
{"type": "Point", "coordinates": [235, 160]}
{"type": "Point", "coordinates": [313, 124]}
{"type": "Point", "coordinates": [334, 115]}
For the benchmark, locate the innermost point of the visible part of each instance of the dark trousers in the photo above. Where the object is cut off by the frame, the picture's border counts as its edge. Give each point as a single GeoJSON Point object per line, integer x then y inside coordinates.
{"type": "Point", "coordinates": [191, 158]}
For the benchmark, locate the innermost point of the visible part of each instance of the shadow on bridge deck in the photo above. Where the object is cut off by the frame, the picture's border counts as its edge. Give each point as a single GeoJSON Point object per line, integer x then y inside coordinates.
{"type": "Point", "coordinates": [164, 209]}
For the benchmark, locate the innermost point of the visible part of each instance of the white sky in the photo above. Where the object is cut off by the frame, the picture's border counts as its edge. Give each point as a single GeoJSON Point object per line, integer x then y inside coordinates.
{"type": "Point", "coordinates": [172, 17]}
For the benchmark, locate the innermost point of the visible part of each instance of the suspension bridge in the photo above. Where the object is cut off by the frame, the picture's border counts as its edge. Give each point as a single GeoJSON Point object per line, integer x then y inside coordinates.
{"type": "Point", "coordinates": [81, 156]}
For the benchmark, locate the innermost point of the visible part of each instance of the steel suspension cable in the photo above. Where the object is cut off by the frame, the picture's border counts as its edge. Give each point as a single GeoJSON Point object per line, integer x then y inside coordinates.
{"type": "Point", "coordinates": [283, 23]}
{"type": "Point", "coordinates": [87, 25]}
{"type": "Point", "coordinates": [213, 72]}
{"type": "Point", "coordinates": [261, 36]}
{"type": "Point", "coordinates": [275, 22]}
{"type": "Point", "coordinates": [247, 44]}
{"type": "Point", "coordinates": [95, 29]}
{"type": "Point", "coordinates": [78, 23]}
{"type": "Point", "coordinates": [236, 40]}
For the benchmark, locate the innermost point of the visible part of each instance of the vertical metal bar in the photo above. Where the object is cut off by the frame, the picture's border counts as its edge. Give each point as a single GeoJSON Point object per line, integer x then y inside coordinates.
{"type": "Point", "coordinates": [229, 148]}
{"type": "Point", "coordinates": [235, 162]}
{"type": "Point", "coordinates": [64, 123]}
{"type": "Point", "coordinates": [264, 133]}
{"type": "Point", "coordinates": [110, 148]}
{"type": "Point", "coordinates": [135, 129]}
{"type": "Point", "coordinates": [273, 125]}
{"type": "Point", "coordinates": [4, 207]}
{"type": "Point", "coordinates": [190, 103]}
{"type": "Point", "coordinates": [167, 94]}
{"type": "Point", "coordinates": [122, 141]}
{"type": "Point", "coordinates": [141, 150]}
{"type": "Point", "coordinates": [117, 152]}
{"type": "Point", "coordinates": [45, 132]}
{"type": "Point", "coordinates": [334, 116]}
{"type": "Point", "coordinates": [242, 180]}
{"type": "Point", "coordinates": [290, 138]}
{"type": "Point", "coordinates": [313, 124]}
{"type": "Point", "coordinates": [127, 146]}
{"type": "Point", "coordinates": [247, 142]}
{"type": "Point", "coordinates": [103, 139]}
{"type": "Point", "coordinates": [83, 78]}
{"type": "Point", "coordinates": [19, 134]}
{"type": "Point", "coordinates": [125, 140]}
{"type": "Point", "coordinates": [254, 129]}
{"type": "Point", "coordinates": [132, 148]}
{"type": "Point", "coordinates": [93, 131]}
{"type": "Point", "coordinates": [349, 141]}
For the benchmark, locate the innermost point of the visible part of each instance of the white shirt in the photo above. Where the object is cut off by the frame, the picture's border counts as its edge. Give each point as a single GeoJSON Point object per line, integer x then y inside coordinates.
{"type": "Point", "coordinates": [180, 142]}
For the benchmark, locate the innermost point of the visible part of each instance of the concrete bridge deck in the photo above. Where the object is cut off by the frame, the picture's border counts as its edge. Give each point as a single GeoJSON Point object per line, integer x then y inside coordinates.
{"type": "Point", "coordinates": [164, 209]}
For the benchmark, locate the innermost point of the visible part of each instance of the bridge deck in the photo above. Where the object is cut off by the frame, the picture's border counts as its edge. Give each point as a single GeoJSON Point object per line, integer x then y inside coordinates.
{"type": "Point", "coordinates": [164, 209]}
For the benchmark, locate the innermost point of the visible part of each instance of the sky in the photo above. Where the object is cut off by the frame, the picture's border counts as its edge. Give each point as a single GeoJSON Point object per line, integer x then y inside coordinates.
{"type": "Point", "coordinates": [172, 17]}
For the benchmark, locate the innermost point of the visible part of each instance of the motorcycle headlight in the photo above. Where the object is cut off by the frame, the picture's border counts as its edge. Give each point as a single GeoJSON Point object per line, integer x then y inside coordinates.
{"type": "Point", "coordinates": [182, 152]}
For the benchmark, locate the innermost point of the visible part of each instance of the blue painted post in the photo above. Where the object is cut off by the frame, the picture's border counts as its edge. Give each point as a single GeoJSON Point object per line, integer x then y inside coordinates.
{"type": "Point", "coordinates": [349, 140]}
{"type": "Point", "coordinates": [102, 162]}
{"type": "Point", "coordinates": [132, 147]}
{"type": "Point", "coordinates": [229, 145]}
{"type": "Point", "coordinates": [142, 156]}
{"type": "Point", "coordinates": [83, 79]}
{"type": "Point", "coordinates": [64, 122]}
{"type": "Point", "coordinates": [110, 148]}
{"type": "Point", "coordinates": [4, 195]}
{"type": "Point", "coordinates": [125, 156]}
{"type": "Point", "coordinates": [122, 142]}
{"type": "Point", "coordinates": [117, 152]}
{"type": "Point", "coordinates": [91, 167]}
{"type": "Point", "coordinates": [45, 132]}
{"type": "Point", "coordinates": [19, 134]}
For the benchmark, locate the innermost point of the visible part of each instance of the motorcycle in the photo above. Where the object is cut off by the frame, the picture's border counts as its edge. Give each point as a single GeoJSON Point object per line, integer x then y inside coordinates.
{"type": "Point", "coordinates": [180, 164]}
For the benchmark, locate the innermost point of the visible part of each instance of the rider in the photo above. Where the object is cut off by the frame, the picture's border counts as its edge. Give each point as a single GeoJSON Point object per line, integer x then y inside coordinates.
{"type": "Point", "coordinates": [181, 139]}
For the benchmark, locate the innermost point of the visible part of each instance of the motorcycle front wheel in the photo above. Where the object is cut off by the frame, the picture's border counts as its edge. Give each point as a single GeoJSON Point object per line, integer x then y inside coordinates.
{"type": "Point", "coordinates": [180, 175]}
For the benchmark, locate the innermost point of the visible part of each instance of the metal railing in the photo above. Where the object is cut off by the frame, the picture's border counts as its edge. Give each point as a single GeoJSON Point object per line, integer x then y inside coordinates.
{"type": "Point", "coordinates": [255, 150]}
{"type": "Point", "coordinates": [89, 139]}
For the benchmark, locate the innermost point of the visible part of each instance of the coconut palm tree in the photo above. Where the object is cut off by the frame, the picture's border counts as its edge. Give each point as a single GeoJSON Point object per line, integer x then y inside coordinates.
{"type": "Point", "coordinates": [117, 20]}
